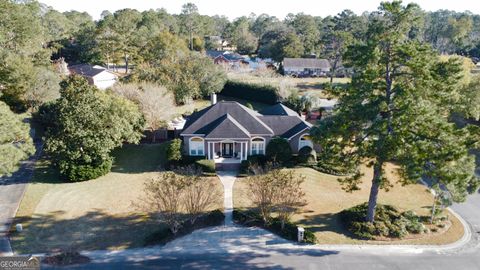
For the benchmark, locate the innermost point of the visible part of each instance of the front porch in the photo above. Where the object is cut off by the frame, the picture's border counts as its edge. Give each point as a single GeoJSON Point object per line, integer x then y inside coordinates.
{"type": "Point", "coordinates": [227, 151]}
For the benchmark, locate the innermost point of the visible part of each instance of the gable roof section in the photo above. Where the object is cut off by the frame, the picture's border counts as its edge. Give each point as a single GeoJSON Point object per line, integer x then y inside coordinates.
{"type": "Point", "coordinates": [285, 126]}
{"type": "Point", "coordinates": [306, 63]}
{"type": "Point", "coordinates": [244, 116]}
{"type": "Point", "coordinates": [86, 70]}
{"type": "Point", "coordinates": [225, 127]}
{"type": "Point", "coordinates": [278, 109]}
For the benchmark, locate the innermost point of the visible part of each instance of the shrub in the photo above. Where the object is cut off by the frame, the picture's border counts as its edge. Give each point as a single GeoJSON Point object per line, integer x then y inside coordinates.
{"type": "Point", "coordinates": [207, 166]}
{"type": "Point", "coordinates": [388, 222]}
{"type": "Point", "coordinates": [189, 160]}
{"type": "Point", "coordinates": [244, 166]}
{"type": "Point", "coordinates": [174, 150]}
{"type": "Point", "coordinates": [255, 92]}
{"type": "Point", "coordinates": [253, 160]}
{"type": "Point", "coordinates": [415, 227]}
{"type": "Point", "coordinates": [307, 155]}
{"type": "Point", "coordinates": [279, 150]}
{"type": "Point", "coordinates": [82, 172]}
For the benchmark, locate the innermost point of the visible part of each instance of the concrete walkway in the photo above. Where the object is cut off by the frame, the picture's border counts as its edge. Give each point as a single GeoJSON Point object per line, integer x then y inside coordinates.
{"type": "Point", "coordinates": [12, 189]}
{"type": "Point", "coordinates": [228, 180]}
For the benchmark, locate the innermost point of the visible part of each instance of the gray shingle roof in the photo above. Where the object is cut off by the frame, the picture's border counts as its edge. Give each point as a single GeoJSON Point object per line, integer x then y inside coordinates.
{"type": "Point", "coordinates": [243, 115]}
{"type": "Point", "coordinates": [285, 126]}
{"type": "Point", "coordinates": [278, 109]}
{"type": "Point", "coordinates": [86, 70]}
{"type": "Point", "coordinates": [306, 63]}
{"type": "Point", "coordinates": [226, 127]}
{"type": "Point", "coordinates": [229, 119]}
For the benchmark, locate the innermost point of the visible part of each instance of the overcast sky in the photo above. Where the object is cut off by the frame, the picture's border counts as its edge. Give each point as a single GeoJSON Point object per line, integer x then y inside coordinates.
{"type": "Point", "coordinates": [234, 9]}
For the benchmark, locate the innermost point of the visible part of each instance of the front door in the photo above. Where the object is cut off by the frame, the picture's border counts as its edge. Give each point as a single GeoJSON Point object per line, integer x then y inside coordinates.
{"type": "Point", "coordinates": [227, 149]}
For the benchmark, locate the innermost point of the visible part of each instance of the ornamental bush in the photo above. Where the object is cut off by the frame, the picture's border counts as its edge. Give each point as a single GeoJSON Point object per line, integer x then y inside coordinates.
{"type": "Point", "coordinates": [307, 155]}
{"type": "Point", "coordinates": [174, 150]}
{"type": "Point", "coordinates": [81, 172]}
{"type": "Point", "coordinates": [389, 222]}
{"type": "Point", "coordinates": [279, 150]}
{"type": "Point", "coordinates": [207, 166]}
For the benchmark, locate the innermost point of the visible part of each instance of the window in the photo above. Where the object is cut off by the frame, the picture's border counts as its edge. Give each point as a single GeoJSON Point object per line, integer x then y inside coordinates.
{"type": "Point", "coordinates": [305, 141]}
{"type": "Point", "coordinates": [258, 146]}
{"type": "Point", "coordinates": [197, 147]}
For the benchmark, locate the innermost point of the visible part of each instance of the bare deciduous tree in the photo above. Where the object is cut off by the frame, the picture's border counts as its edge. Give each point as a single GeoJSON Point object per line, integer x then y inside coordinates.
{"type": "Point", "coordinates": [262, 190]}
{"type": "Point", "coordinates": [164, 195]}
{"type": "Point", "coordinates": [290, 194]}
{"type": "Point", "coordinates": [276, 190]}
{"type": "Point", "coordinates": [200, 193]}
{"type": "Point", "coordinates": [155, 101]}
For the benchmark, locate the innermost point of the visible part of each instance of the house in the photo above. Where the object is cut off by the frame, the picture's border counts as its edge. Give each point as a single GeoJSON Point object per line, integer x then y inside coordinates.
{"type": "Point", "coordinates": [229, 130]}
{"type": "Point", "coordinates": [258, 63]}
{"type": "Point", "coordinates": [306, 67]}
{"type": "Point", "coordinates": [233, 60]}
{"type": "Point", "coordinates": [95, 75]}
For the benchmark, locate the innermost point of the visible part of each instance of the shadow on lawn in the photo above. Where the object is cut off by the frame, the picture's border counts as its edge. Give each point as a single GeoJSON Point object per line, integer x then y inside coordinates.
{"type": "Point", "coordinates": [325, 223]}
{"type": "Point", "coordinates": [140, 158]}
{"type": "Point", "coordinates": [93, 231]}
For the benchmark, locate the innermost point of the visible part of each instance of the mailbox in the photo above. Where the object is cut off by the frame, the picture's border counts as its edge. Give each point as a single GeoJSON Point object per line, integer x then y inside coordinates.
{"type": "Point", "coordinates": [301, 232]}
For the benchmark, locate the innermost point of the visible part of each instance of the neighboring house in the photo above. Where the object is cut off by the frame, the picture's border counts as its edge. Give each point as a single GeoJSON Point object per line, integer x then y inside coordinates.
{"type": "Point", "coordinates": [229, 130]}
{"type": "Point", "coordinates": [259, 63]}
{"type": "Point", "coordinates": [233, 60]}
{"type": "Point", "coordinates": [95, 75]}
{"type": "Point", "coordinates": [306, 67]}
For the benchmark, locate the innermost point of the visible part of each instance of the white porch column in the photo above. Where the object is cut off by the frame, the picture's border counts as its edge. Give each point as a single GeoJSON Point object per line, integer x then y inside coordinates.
{"type": "Point", "coordinates": [241, 151]}
{"type": "Point", "coordinates": [209, 155]}
{"type": "Point", "coordinates": [246, 150]}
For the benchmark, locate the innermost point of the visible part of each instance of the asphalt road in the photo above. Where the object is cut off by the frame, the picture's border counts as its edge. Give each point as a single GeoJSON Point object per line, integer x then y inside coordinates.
{"type": "Point", "coordinates": [466, 258]}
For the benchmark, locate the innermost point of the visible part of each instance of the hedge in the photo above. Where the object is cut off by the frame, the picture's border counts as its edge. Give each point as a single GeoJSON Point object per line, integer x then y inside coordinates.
{"type": "Point", "coordinates": [254, 92]}
{"type": "Point", "coordinates": [207, 166]}
{"type": "Point", "coordinates": [307, 155]}
{"type": "Point", "coordinates": [82, 172]}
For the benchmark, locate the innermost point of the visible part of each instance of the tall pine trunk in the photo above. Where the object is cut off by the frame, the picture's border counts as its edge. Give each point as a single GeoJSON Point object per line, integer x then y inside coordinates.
{"type": "Point", "coordinates": [126, 63]}
{"type": "Point", "coordinates": [372, 200]}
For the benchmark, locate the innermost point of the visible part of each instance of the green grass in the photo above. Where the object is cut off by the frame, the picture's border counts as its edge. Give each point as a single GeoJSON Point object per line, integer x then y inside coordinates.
{"type": "Point", "coordinates": [189, 108]}
{"type": "Point", "coordinates": [139, 158]}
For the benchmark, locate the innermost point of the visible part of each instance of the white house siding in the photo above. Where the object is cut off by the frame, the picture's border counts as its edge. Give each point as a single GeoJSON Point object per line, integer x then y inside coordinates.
{"type": "Point", "coordinates": [104, 80]}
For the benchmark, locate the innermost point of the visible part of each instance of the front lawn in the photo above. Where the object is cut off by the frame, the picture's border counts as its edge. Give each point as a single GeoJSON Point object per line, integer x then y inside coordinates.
{"type": "Point", "coordinates": [325, 199]}
{"type": "Point", "coordinates": [91, 215]}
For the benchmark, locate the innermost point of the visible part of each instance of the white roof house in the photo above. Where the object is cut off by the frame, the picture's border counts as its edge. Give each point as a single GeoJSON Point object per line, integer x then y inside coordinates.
{"type": "Point", "coordinates": [95, 75]}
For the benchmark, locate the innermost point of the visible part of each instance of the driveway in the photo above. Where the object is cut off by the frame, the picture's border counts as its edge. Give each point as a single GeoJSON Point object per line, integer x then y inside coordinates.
{"type": "Point", "coordinates": [11, 193]}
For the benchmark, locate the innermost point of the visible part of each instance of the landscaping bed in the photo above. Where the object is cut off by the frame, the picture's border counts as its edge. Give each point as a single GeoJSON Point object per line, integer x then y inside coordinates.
{"type": "Point", "coordinates": [326, 199]}
{"type": "Point", "coordinates": [390, 224]}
